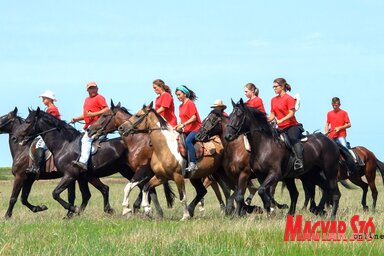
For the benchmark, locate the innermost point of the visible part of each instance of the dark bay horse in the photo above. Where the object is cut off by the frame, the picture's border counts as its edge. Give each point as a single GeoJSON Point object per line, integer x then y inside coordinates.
{"type": "Point", "coordinates": [64, 142]}
{"type": "Point", "coordinates": [23, 181]}
{"type": "Point", "coordinates": [166, 161]}
{"type": "Point", "coordinates": [271, 158]}
{"type": "Point", "coordinates": [138, 157]}
{"type": "Point", "coordinates": [236, 159]}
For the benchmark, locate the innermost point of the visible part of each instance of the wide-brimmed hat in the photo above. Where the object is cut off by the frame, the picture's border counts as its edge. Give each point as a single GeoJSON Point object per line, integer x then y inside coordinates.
{"type": "Point", "coordinates": [91, 84]}
{"type": "Point", "coordinates": [48, 94]}
{"type": "Point", "coordinates": [218, 104]}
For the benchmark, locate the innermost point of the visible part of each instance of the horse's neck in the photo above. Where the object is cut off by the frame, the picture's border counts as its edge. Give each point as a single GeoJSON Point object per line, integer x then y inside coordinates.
{"type": "Point", "coordinates": [51, 141]}
{"type": "Point", "coordinates": [16, 148]}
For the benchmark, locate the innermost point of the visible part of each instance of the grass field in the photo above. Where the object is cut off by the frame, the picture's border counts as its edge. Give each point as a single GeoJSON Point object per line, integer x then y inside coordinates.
{"type": "Point", "coordinates": [208, 233]}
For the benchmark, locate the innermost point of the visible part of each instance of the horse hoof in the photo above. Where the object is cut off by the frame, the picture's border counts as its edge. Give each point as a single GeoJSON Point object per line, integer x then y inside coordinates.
{"type": "Point", "coordinates": [43, 208]}
{"type": "Point", "coordinates": [258, 210]}
{"type": "Point", "coordinates": [185, 217]}
{"type": "Point", "coordinates": [365, 208]}
{"type": "Point", "coordinates": [109, 211]}
{"type": "Point", "coordinates": [283, 206]}
{"type": "Point", "coordinates": [126, 211]}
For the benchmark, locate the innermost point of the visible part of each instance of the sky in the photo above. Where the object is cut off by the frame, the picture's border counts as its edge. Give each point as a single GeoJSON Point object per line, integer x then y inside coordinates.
{"type": "Point", "coordinates": [323, 49]}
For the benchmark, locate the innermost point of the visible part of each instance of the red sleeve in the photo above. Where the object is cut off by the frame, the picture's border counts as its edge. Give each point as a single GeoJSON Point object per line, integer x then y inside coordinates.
{"type": "Point", "coordinates": [102, 102]}
{"type": "Point", "coordinates": [291, 103]}
{"type": "Point", "coordinates": [166, 100]}
{"type": "Point", "coordinates": [191, 109]}
{"type": "Point", "coordinates": [346, 118]}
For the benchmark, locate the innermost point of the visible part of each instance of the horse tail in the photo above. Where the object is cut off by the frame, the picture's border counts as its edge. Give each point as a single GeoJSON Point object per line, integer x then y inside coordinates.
{"type": "Point", "coordinates": [169, 194]}
{"type": "Point", "coordinates": [347, 185]}
{"type": "Point", "coordinates": [380, 166]}
{"type": "Point", "coordinates": [348, 159]}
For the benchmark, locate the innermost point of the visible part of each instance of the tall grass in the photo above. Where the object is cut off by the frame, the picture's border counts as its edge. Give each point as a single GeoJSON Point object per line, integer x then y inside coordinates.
{"type": "Point", "coordinates": [208, 233]}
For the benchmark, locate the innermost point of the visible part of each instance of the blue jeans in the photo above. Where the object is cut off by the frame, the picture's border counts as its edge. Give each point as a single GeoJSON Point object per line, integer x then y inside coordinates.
{"type": "Point", "coordinates": [190, 147]}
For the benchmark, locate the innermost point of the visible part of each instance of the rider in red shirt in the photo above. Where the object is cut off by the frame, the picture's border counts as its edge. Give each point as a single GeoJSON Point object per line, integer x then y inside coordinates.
{"type": "Point", "coordinates": [190, 121]}
{"type": "Point", "coordinates": [164, 102]}
{"type": "Point", "coordinates": [337, 123]}
{"type": "Point", "coordinates": [254, 101]}
{"type": "Point", "coordinates": [94, 106]}
{"type": "Point", "coordinates": [48, 98]}
{"type": "Point", "coordinates": [283, 109]}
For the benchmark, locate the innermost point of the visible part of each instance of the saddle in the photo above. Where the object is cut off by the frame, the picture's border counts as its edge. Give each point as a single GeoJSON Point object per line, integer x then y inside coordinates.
{"type": "Point", "coordinates": [96, 145]}
{"type": "Point", "coordinates": [49, 163]}
{"type": "Point", "coordinates": [209, 148]}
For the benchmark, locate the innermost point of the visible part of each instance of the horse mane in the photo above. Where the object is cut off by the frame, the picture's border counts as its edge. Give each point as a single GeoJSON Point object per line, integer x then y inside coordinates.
{"type": "Point", "coordinates": [125, 110]}
{"type": "Point", "coordinates": [162, 121]}
{"type": "Point", "coordinates": [262, 121]}
{"type": "Point", "coordinates": [70, 132]}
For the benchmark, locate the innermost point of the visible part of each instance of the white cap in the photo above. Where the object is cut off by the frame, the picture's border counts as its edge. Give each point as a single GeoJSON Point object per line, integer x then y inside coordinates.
{"type": "Point", "coordinates": [48, 94]}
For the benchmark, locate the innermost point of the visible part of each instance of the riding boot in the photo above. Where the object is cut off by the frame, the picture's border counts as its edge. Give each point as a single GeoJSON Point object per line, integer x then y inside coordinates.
{"type": "Point", "coordinates": [298, 151]}
{"type": "Point", "coordinates": [38, 162]}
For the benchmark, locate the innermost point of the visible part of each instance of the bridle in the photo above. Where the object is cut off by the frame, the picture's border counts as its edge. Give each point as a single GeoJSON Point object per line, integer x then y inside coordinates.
{"type": "Point", "coordinates": [133, 125]}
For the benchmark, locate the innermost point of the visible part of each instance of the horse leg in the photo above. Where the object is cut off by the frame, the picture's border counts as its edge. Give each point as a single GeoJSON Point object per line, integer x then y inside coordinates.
{"type": "Point", "coordinates": [239, 196]}
{"type": "Point", "coordinates": [272, 193]}
{"type": "Point", "coordinates": [63, 184]}
{"type": "Point", "coordinates": [216, 189]}
{"type": "Point", "coordinates": [104, 190]}
{"type": "Point", "coordinates": [139, 199]}
{"type": "Point", "coordinates": [200, 193]}
{"type": "Point", "coordinates": [263, 191]}
{"type": "Point", "coordinates": [252, 191]}
{"type": "Point", "coordinates": [230, 204]}
{"type": "Point", "coordinates": [335, 192]}
{"type": "Point", "coordinates": [137, 179]}
{"type": "Point", "coordinates": [293, 194]}
{"type": "Point", "coordinates": [152, 183]}
{"type": "Point", "coordinates": [25, 194]}
{"type": "Point", "coordinates": [17, 185]}
{"type": "Point", "coordinates": [364, 186]}
{"type": "Point", "coordinates": [155, 200]}
{"type": "Point", "coordinates": [370, 174]}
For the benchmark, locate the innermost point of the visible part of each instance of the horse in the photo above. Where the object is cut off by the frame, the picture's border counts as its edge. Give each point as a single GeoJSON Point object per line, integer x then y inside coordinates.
{"type": "Point", "coordinates": [23, 181]}
{"type": "Point", "coordinates": [138, 157]}
{"type": "Point", "coordinates": [166, 162]}
{"type": "Point", "coordinates": [64, 142]}
{"type": "Point", "coordinates": [235, 161]}
{"type": "Point", "coordinates": [271, 158]}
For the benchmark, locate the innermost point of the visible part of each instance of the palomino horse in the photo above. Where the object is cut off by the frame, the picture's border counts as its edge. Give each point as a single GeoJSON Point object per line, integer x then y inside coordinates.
{"type": "Point", "coordinates": [138, 157]}
{"type": "Point", "coordinates": [64, 142]}
{"type": "Point", "coordinates": [271, 158]}
{"type": "Point", "coordinates": [166, 162]}
{"type": "Point", "coordinates": [23, 181]}
{"type": "Point", "coordinates": [235, 160]}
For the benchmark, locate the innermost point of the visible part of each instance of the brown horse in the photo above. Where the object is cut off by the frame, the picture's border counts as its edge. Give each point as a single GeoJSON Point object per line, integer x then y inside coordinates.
{"type": "Point", "coordinates": [167, 162]}
{"type": "Point", "coordinates": [235, 161]}
{"type": "Point", "coordinates": [138, 157]}
{"type": "Point", "coordinates": [371, 163]}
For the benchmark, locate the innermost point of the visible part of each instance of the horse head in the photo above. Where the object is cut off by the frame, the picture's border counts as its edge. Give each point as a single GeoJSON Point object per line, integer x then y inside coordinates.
{"type": "Point", "coordinates": [25, 130]}
{"type": "Point", "coordinates": [237, 123]}
{"type": "Point", "coordinates": [106, 122]}
{"type": "Point", "coordinates": [142, 122]}
{"type": "Point", "coordinates": [6, 121]}
{"type": "Point", "coordinates": [212, 125]}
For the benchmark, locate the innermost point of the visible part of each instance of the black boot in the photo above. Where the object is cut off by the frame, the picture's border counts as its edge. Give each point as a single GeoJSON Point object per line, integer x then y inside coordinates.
{"type": "Point", "coordinates": [38, 162]}
{"type": "Point", "coordinates": [298, 151]}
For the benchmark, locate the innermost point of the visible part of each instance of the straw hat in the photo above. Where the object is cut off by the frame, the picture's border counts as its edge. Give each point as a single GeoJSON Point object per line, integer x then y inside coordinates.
{"type": "Point", "coordinates": [218, 104]}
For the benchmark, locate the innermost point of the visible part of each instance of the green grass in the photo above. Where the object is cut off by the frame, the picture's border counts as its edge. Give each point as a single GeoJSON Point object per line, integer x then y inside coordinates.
{"type": "Point", "coordinates": [6, 173]}
{"type": "Point", "coordinates": [209, 233]}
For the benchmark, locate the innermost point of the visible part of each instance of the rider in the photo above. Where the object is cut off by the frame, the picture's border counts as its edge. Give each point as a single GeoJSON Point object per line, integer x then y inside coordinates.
{"type": "Point", "coordinates": [164, 102]}
{"type": "Point", "coordinates": [254, 101]}
{"type": "Point", "coordinates": [94, 106]}
{"type": "Point", "coordinates": [190, 121]}
{"type": "Point", "coordinates": [48, 98]}
{"type": "Point", "coordinates": [283, 109]}
{"type": "Point", "coordinates": [219, 104]}
{"type": "Point", "coordinates": [337, 124]}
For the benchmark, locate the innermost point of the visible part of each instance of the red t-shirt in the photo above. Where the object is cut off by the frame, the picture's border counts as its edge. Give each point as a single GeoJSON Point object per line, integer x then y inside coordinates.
{"type": "Point", "coordinates": [186, 111]}
{"type": "Point", "coordinates": [280, 106]}
{"type": "Point", "coordinates": [53, 110]}
{"type": "Point", "coordinates": [256, 103]}
{"type": "Point", "coordinates": [93, 104]}
{"type": "Point", "coordinates": [335, 119]}
{"type": "Point", "coordinates": [165, 100]}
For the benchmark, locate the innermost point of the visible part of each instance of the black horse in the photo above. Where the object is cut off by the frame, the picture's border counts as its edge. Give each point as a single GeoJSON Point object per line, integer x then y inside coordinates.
{"type": "Point", "coordinates": [236, 161]}
{"type": "Point", "coordinates": [64, 142]}
{"type": "Point", "coordinates": [271, 158]}
{"type": "Point", "coordinates": [23, 181]}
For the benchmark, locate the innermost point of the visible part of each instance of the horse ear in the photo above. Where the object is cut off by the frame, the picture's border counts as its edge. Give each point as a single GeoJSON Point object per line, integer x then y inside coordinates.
{"type": "Point", "coordinates": [15, 111]}
{"type": "Point", "coordinates": [112, 105]}
{"type": "Point", "coordinates": [38, 111]}
{"type": "Point", "coordinates": [233, 103]}
{"type": "Point", "coordinates": [118, 105]}
{"type": "Point", "coordinates": [29, 110]}
{"type": "Point", "coordinates": [150, 106]}
{"type": "Point", "coordinates": [241, 101]}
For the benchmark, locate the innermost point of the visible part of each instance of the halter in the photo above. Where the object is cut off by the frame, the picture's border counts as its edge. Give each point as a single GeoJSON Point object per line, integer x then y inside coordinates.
{"type": "Point", "coordinates": [237, 129]}
{"type": "Point", "coordinates": [7, 122]}
{"type": "Point", "coordinates": [100, 131]}
{"type": "Point", "coordinates": [27, 138]}
{"type": "Point", "coordinates": [205, 130]}
{"type": "Point", "coordinates": [134, 130]}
